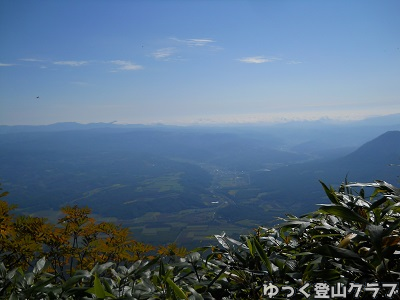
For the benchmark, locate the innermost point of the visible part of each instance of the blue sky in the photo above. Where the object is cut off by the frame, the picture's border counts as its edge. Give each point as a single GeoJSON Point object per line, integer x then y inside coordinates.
{"type": "Point", "coordinates": [183, 62]}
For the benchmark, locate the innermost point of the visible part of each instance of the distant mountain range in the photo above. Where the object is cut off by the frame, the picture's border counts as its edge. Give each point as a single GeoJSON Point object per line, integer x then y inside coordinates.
{"type": "Point", "coordinates": [187, 182]}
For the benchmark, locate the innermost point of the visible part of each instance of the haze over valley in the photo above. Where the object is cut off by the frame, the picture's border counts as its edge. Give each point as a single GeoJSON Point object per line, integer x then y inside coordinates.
{"type": "Point", "coordinates": [184, 183]}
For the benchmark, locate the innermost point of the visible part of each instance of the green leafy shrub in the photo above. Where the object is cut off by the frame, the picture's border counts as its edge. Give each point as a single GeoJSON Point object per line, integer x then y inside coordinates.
{"type": "Point", "coordinates": [355, 238]}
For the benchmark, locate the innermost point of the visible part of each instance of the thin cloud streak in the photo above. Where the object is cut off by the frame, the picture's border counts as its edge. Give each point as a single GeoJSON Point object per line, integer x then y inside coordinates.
{"type": "Point", "coordinates": [31, 59]}
{"type": "Point", "coordinates": [194, 42]}
{"type": "Point", "coordinates": [294, 62]}
{"type": "Point", "coordinates": [256, 60]}
{"type": "Point", "coordinates": [123, 65]}
{"type": "Point", "coordinates": [164, 53]}
{"type": "Point", "coordinates": [126, 65]}
{"type": "Point", "coordinates": [71, 63]}
{"type": "Point", "coordinates": [199, 42]}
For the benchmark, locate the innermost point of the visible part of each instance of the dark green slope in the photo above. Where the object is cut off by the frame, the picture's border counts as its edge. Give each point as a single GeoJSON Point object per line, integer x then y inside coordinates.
{"type": "Point", "coordinates": [297, 186]}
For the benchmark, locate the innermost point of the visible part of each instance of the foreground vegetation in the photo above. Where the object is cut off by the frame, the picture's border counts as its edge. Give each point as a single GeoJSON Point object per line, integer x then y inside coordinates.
{"type": "Point", "coordinates": [354, 239]}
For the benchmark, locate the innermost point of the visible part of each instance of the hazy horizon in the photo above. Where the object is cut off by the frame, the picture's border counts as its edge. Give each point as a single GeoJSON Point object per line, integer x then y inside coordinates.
{"type": "Point", "coordinates": [197, 62]}
{"type": "Point", "coordinates": [279, 120]}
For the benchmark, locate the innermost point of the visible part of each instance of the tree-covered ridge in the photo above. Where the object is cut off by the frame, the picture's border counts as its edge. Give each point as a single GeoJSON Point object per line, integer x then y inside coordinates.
{"type": "Point", "coordinates": [354, 239]}
{"type": "Point", "coordinates": [76, 242]}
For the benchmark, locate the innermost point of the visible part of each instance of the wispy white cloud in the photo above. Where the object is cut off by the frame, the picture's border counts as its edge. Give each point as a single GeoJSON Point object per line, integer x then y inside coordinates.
{"type": "Point", "coordinates": [199, 42]}
{"type": "Point", "coordinates": [256, 60]}
{"type": "Point", "coordinates": [31, 59]}
{"type": "Point", "coordinates": [71, 63]}
{"type": "Point", "coordinates": [194, 42]}
{"type": "Point", "coordinates": [294, 62]}
{"type": "Point", "coordinates": [164, 53]}
{"type": "Point", "coordinates": [122, 65]}
{"type": "Point", "coordinates": [126, 65]}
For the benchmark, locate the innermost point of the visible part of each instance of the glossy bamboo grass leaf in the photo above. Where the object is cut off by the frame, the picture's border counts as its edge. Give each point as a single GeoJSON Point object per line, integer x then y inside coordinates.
{"type": "Point", "coordinates": [99, 269]}
{"type": "Point", "coordinates": [263, 256]}
{"type": "Point", "coordinates": [331, 193]}
{"type": "Point", "coordinates": [239, 257]}
{"type": "Point", "coordinates": [38, 287]}
{"type": "Point", "coordinates": [3, 272]}
{"type": "Point", "coordinates": [385, 188]}
{"type": "Point", "coordinates": [233, 241]}
{"type": "Point", "coordinates": [340, 253]}
{"type": "Point", "coordinates": [336, 252]}
{"type": "Point", "coordinates": [177, 290]}
{"type": "Point", "coordinates": [328, 235]}
{"type": "Point", "coordinates": [98, 289]}
{"type": "Point", "coordinates": [161, 269]}
{"type": "Point", "coordinates": [376, 233]}
{"type": "Point", "coordinates": [344, 213]}
{"type": "Point", "coordinates": [146, 265]}
{"type": "Point", "coordinates": [346, 240]}
{"type": "Point", "coordinates": [250, 246]}
{"type": "Point", "coordinates": [73, 280]}
{"type": "Point", "coordinates": [40, 264]}
{"type": "Point", "coordinates": [13, 296]}
{"type": "Point", "coordinates": [219, 275]}
{"type": "Point", "coordinates": [193, 257]}
{"type": "Point", "coordinates": [393, 226]}
{"type": "Point", "coordinates": [107, 286]}
{"type": "Point", "coordinates": [296, 223]}
{"type": "Point", "coordinates": [392, 209]}
{"type": "Point", "coordinates": [379, 202]}
{"type": "Point", "coordinates": [195, 295]}
{"type": "Point", "coordinates": [221, 240]}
